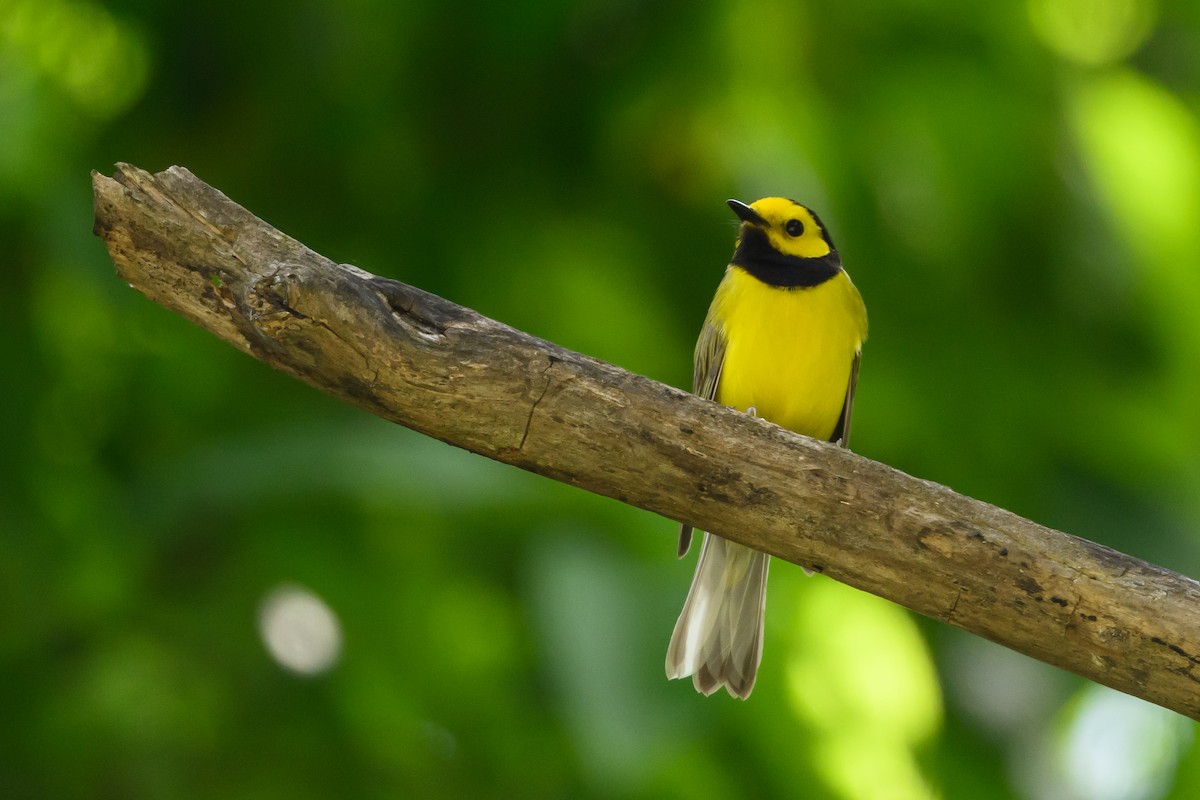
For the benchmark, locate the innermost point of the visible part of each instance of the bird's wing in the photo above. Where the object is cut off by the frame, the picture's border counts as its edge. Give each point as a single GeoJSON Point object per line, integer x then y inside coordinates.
{"type": "Point", "coordinates": [706, 375]}
{"type": "Point", "coordinates": [841, 433]}
{"type": "Point", "coordinates": [708, 360]}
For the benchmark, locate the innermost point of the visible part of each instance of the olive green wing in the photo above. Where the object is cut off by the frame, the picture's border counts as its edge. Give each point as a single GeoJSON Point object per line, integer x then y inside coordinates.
{"type": "Point", "coordinates": [858, 312]}
{"type": "Point", "coordinates": [841, 433]}
{"type": "Point", "coordinates": [706, 375]}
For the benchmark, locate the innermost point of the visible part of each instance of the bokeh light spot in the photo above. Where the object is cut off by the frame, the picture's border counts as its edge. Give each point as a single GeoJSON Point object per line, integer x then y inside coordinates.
{"type": "Point", "coordinates": [300, 630]}
{"type": "Point", "coordinates": [101, 63]}
{"type": "Point", "coordinates": [861, 676]}
{"type": "Point", "coordinates": [1117, 747]}
{"type": "Point", "coordinates": [1093, 32]}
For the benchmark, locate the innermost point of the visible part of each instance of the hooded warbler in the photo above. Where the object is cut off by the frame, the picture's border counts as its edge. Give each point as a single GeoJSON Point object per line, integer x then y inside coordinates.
{"type": "Point", "coordinates": [782, 340]}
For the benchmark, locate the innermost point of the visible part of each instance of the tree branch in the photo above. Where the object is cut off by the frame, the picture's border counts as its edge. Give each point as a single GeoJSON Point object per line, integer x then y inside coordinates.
{"type": "Point", "coordinates": [441, 369]}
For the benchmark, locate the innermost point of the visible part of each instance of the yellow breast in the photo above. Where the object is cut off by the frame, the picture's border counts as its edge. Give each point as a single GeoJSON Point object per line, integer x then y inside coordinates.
{"type": "Point", "coordinates": [788, 352]}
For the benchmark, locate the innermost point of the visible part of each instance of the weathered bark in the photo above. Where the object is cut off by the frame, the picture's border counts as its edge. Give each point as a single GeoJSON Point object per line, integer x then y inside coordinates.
{"type": "Point", "coordinates": [441, 369]}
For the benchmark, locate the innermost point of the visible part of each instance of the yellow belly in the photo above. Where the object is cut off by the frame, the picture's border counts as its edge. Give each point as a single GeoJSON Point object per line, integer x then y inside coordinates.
{"type": "Point", "coordinates": [788, 352]}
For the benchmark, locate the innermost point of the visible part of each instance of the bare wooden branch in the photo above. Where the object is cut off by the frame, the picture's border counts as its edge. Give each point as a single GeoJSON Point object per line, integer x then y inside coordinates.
{"type": "Point", "coordinates": [441, 369]}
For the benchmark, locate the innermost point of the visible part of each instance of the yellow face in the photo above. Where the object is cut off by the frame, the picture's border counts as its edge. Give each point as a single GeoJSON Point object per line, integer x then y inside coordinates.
{"type": "Point", "coordinates": [791, 228]}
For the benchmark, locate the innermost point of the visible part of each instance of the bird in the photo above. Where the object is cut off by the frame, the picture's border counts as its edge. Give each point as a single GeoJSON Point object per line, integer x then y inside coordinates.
{"type": "Point", "coordinates": [782, 341]}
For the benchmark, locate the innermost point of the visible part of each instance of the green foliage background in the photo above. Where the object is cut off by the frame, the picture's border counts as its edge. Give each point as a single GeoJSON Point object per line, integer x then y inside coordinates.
{"type": "Point", "coordinates": [1014, 187]}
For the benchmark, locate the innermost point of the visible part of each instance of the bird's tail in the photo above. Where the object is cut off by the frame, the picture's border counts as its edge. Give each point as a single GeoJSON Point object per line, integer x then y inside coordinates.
{"type": "Point", "coordinates": [718, 638]}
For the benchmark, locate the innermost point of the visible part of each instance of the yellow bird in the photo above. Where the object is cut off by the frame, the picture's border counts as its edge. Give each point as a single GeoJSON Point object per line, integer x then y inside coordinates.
{"type": "Point", "coordinates": [782, 340]}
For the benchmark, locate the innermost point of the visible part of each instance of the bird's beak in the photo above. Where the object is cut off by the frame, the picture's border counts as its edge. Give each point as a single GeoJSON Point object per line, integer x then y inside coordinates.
{"type": "Point", "coordinates": [745, 213]}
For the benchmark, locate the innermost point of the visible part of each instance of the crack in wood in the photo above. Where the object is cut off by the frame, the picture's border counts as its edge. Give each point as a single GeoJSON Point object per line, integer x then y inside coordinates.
{"type": "Point", "coordinates": [954, 605]}
{"type": "Point", "coordinates": [538, 400]}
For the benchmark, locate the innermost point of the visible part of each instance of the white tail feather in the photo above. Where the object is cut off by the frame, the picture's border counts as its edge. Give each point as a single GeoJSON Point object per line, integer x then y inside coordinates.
{"type": "Point", "coordinates": [718, 638]}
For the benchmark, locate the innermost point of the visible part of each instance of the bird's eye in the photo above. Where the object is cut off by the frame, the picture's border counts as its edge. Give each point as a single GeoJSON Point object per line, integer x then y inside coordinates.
{"type": "Point", "coordinates": [794, 227]}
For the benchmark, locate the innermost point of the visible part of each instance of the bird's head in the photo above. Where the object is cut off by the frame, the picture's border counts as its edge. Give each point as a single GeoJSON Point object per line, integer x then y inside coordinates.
{"type": "Point", "coordinates": [783, 243]}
